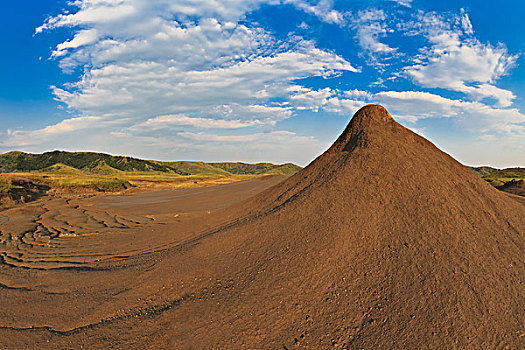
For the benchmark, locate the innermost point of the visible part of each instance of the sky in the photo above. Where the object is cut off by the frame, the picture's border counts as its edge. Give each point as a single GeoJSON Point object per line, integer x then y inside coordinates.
{"type": "Point", "coordinates": [260, 80]}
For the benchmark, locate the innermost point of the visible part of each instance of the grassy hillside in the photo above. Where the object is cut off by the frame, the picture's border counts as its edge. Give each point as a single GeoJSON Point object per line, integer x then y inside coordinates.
{"type": "Point", "coordinates": [258, 169]}
{"type": "Point", "coordinates": [499, 177]}
{"type": "Point", "coordinates": [483, 170]}
{"type": "Point", "coordinates": [87, 161]}
{"type": "Point", "coordinates": [105, 164]}
{"type": "Point", "coordinates": [194, 168]}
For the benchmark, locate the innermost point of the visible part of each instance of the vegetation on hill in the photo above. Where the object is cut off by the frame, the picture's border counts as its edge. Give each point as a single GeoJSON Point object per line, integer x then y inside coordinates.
{"type": "Point", "coordinates": [194, 168]}
{"type": "Point", "coordinates": [86, 161]}
{"type": "Point", "coordinates": [257, 169]}
{"type": "Point", "coordinates": [103, 172]}
{"type": "Point", "coordinates": [499, 177]}
{"type": "Point", "coordinates": [508, 180]}
{"type": "Point", "coordinates": [483, 170]}
{"type": "Point", "coordinates": [105, 164]}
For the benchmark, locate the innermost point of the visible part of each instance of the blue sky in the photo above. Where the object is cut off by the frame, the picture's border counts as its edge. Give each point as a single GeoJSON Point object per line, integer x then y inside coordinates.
{"type": "Point", "coordinates": [260, 80]}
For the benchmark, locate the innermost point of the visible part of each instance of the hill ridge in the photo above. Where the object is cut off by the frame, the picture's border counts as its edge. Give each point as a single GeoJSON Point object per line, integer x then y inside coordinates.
{"type": "Point", "coordinates": [98, 163]}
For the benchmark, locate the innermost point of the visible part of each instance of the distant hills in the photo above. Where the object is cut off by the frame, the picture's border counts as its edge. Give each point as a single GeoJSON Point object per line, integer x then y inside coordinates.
{"type": "Point", "coordinates": [105, 164]}
{"type": "Point", "coordinates": [499, 177]}
{"type": "Point", "coordinates": [482, 170]}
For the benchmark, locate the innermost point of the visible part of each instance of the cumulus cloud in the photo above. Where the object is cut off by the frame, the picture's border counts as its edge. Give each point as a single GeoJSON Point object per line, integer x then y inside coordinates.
{"type": "Point", "coordinates": [407, 3]}
{"type": "Point", "coordinates": [202, 123]}
{"type": "Point", "coordinates": [198, 79]}
{"type": "Point", "coordinates": [258, 145]}
{"type": "Point", "coordinates": [472, 115]}
{"type": "Point", "coordinates": [370, 26]}
{"type": "Point", "coordinates": [139, 89]}
{"type": "Point", "coordinates": [181, 79]}
{"type": "Point", "coordinates": [323, 9]}
{"type": "Point", "coordinates": [48, 134]}
{"type": "Point", "coordinates": [148, 14]}
{"type": "Point", "coordinates": [456, 60]}
{"type": "Point", "coordinates": [412, 106]}
{"type": "Point", "coordinates": [157, 140]}
{"type": "Point", "coordinates": [328, 99]}
{"type": "Point", "coordinates": [82, 38]}
{"type": "Point", "coordinates": [156, 67]}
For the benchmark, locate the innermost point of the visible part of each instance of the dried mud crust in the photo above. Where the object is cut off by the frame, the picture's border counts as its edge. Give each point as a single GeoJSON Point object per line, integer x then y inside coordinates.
{"type": "Point", "coordinates": [22, 192]}
{"type": "Point", "coordinates": [382, 242]}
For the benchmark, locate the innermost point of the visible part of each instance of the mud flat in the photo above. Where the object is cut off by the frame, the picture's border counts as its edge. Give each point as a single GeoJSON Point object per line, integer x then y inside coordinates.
{"type": "Point", "coordinates": [68, 264]}
{"type": "Point", "coordinates": [3, 219]}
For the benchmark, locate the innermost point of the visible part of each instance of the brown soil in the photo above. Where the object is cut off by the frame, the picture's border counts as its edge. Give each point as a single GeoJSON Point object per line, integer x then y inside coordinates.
{"type": "Point", "coordinates": [22, 192]}
{"type": "Point", "coordinates": [382, 242]}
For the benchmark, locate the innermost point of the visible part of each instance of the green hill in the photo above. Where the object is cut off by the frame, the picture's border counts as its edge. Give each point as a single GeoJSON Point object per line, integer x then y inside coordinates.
{"type": "Point", "coordinates": [105, 164]}
{"type": "Point", "coordinates": [482, 170]}
{"type": "Point", "coordinates": [60, 168]}
{"type": "Point", "coordinates": [86, 161]}
{"type": "Point", "coordinates": [196, 168]}
{"type": "Point", "coordinates": [258, 169]}
{"type": "Point", "coordinates": [499, 177]}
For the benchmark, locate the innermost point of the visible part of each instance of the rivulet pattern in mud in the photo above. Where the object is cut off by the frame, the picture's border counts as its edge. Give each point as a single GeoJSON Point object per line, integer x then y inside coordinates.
{"type": "Point", "coordinates": [61, 233]}
{"type": "Point", "coordinates": [70, 264]}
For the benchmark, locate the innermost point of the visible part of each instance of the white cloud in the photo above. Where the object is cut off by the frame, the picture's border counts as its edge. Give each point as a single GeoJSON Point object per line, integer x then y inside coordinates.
{"type": "Point", "coordinates": [343, 106]}
{"type": "Point", "coordinates": [456, 60]}
{"type": "Point", "coordinates": [20, 138]}
{"type": "Point", "coordinates": [159, 71]}
{"type": "Point", "coordinates": [407, 3]}
{"type": "Point", "coordinates": [193, 79]}
{"type": "Point", "coordinates": [471, 115]}
{"type": "Point", "coordinates": [201, 123]}
{"type": "Point", "coordinates": [355, 93]}
{"type": "Point", "coordinates": [327, 99]}
{"type": "Point", "coordinates": [466, 23]}
{"type": "Point", "coordinates": [147, 142]}
{"type": "Point", "coordinates": [82, 38]}
{"type": "Point", "coordinates": [370, 26]}
{"type": "Point", "coordinates": [142, 89]}
{"type": "Point", "coordinates": [411, 106]}
{"type": "Point", "coordinates": [219, 117]}
{"type": "Point", "coordinates": [300, 149]}
{"type": "Point", "coordinates": [323, 9]}
{"type": "Point", "coordinates": [157, 66]}
{"type": "Point", "coordinates": [148, 14]}
{"type": "Point", "coordinates": [202, 137]}
{"type": "Point", "coordinates": [307, 99]}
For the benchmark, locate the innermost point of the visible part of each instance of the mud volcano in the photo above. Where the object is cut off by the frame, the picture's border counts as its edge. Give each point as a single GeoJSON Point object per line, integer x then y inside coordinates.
{"type": "Point", "coordinates": [382, 242]}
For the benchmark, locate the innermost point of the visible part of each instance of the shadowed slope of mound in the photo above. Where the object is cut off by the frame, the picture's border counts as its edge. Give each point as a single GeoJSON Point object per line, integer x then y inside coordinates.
{"type": "Point", "coordinates": [383, 241]}
{"type": "Point", "coordinates": [516, 187]}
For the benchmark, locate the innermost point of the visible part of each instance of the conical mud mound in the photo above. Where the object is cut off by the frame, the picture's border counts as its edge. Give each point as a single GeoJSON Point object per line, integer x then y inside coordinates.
{"type": "Point", "coordinates": [382, 242]}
